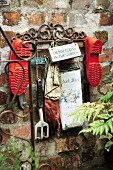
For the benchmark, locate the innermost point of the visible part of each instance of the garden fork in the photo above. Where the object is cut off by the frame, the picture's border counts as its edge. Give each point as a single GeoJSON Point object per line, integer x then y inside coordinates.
{"type": "Point", "coordinates": [41, 126]}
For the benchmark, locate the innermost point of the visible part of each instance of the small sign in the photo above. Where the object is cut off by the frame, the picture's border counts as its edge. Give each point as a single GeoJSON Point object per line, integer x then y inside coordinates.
{"type": "Point", "coordinates": [71, 97]}
{"type": "Point", "coordinates": [64, 52]}
{"type": "Point", "coordinates": [38, 61]}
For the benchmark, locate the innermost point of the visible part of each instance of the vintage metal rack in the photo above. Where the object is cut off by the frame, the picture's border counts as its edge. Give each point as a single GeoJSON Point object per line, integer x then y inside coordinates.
{"type": "Point", "coordinates": [45, 34]}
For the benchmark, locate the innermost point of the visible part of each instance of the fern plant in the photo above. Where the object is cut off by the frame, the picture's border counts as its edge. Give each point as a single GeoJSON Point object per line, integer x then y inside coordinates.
{"type": "Point", "coordinates": [99, 116]}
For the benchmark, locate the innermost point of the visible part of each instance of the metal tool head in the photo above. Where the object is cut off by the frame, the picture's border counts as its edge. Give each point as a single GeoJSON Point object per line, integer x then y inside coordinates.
{"type": "Point", "coordinates": [41, 130]}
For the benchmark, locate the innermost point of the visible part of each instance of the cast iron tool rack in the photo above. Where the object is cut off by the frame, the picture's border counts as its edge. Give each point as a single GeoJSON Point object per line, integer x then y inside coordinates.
{"type": "Point", "coordinates": [56, 34]}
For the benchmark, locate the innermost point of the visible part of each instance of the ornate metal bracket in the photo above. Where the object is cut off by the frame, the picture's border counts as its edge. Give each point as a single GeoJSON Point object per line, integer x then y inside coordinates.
{"type": "Point", "coordinates": [48, 33]}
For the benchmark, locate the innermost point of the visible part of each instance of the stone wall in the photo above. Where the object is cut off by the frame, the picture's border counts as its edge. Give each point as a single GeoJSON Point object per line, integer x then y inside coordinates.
{"type": "Point", "coordinates": [95, 17]}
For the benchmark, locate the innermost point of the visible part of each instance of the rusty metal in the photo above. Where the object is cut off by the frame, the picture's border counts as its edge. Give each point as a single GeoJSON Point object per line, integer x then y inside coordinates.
{"type": "Point", "coordinates": [49, 33]}
{"type": "Point", "coordinates": [31, 107]}
{"type": "Point", "coordinates": [45, 166]}
{"type": "Point", "coordinates": [10, 109]}
{"type": "Point", "coordinates": [8, 117]}
{"type": "Point", "coordinates": [45, 34]}
{"type": "Point", "coordinates": [10, 106]}
{"type": "Point", "coordinates": [24, 45]}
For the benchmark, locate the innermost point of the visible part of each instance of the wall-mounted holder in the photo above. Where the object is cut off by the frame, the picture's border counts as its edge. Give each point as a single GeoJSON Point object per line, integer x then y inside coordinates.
{"type": "Point", "coordinates": [45, 34]}
{"type": "Point", "coordinates": [19, 70]}
{"type": "Point", "coordinates": [93, 48]}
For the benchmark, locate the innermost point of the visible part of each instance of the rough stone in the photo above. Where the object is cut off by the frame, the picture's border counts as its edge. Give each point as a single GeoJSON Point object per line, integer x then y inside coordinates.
{"type": "Point", "coordinates": [93, 90]}
{"type": "Point", "coordinates": [103, 58]}
{"type": "Point", "coordinates": [3, 98]}
{"type": "Point", "coordinates": [66, 144]}
{"type": "Point", "coordinates": [15, 3]}
{"type": "Point", "coordinates": [102, 35]}
{"type": "Point", "coordinates": [55, 163]}
{"type": "Point", "coordinates": [77, 19]}
{"type": "Point", "coordinates": [33, 2]}
{"type": "Point", "coordinates": [104, 88]}
{"type": "Point", "coordinates": [103, 3]}
{"type": "Point", "coordinates": [71, 161]}
{"type": "Point", "coordinates": [3, 79]}
{"type": "Point", "coordinates": [57, 19]}
{"type": "Point", "coordinates": [45, 148]}
{"type": "Point", "coordinates": [106, 19]}
{"type": "Point", "coordinates": [22, 131]}
{"type": "Point", "coordinates": [88, 141]}
{"type": "Point", "coordinates": [35, 18]}
{"type": "Point", "coordinates": [5, 134]}
{"type": "Point", "coordinates": [11, 18]}
{"type": "Point", "coordinates": [105, 70]}
{"type": "Point", "coordinates": [59, 4]}
{"type": "Point", "coordinates": [80, 4]}
{"type": "Point", "coordinates": [41, 149]}
{"type": "Point", "coordinates": [110, 19]}
{"type": "Point", "coordinates": [10, 35]}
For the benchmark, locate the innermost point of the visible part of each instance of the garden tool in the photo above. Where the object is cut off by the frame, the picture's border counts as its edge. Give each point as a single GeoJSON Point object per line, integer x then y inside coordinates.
{"type": "Point", "coordinates": [93, 48]}
{"type": "Point", "coordinates": [41, 128]}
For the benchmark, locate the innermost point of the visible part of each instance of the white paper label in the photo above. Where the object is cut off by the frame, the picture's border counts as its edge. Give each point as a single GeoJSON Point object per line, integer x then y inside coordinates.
{"type": "Point", "coordinates": [71, 97]}
{"type": "Point", "coordinates": [64, 52]}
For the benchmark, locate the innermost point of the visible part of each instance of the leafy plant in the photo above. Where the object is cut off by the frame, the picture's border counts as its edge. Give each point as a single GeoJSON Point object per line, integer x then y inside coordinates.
{"type": "Point", "coordinates": [3, 162]}
{"type": "Point", "coordinates": [99, 116]}
{"type": "Point", "coordinates": [30, 153]}
{"type": "Point", "coordinates": [11, 156]}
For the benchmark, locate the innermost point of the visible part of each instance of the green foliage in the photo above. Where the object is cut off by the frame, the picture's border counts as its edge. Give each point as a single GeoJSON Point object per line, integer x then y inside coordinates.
{"type": "Point", "coordinates": [13, 153]}
{"type": "Point", "coordinates": [102, 126]}
{"type": "Point", "coordinates": [107, 97]}
{"type": "Point", "coordinates": [87, 110]}
{"type": "Point", "coordinates": [99, 116]}
{"type": "Point", "coordinates": [30, 153]}
{"type": "Point", "coordinates": [3, 162]}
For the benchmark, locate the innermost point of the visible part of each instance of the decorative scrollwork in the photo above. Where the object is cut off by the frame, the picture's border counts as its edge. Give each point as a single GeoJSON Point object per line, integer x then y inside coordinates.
{"type": "Point", "coordinates": [50, 32]}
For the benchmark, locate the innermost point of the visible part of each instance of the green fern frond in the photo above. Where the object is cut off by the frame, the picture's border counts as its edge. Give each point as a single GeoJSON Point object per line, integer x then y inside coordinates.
{"type": "Point", "coordinates": [110, 124]}
{"type": "Point", "coordinates": [105, 116]}
{"type": "Point", "coordinates": [85, 130]}
{"type": "Point", "coordinates": [107, 97]}
{"type": "Point", "coordinates": [108, 136]}
{"type": "Point", "coordinates": [108, 144]}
